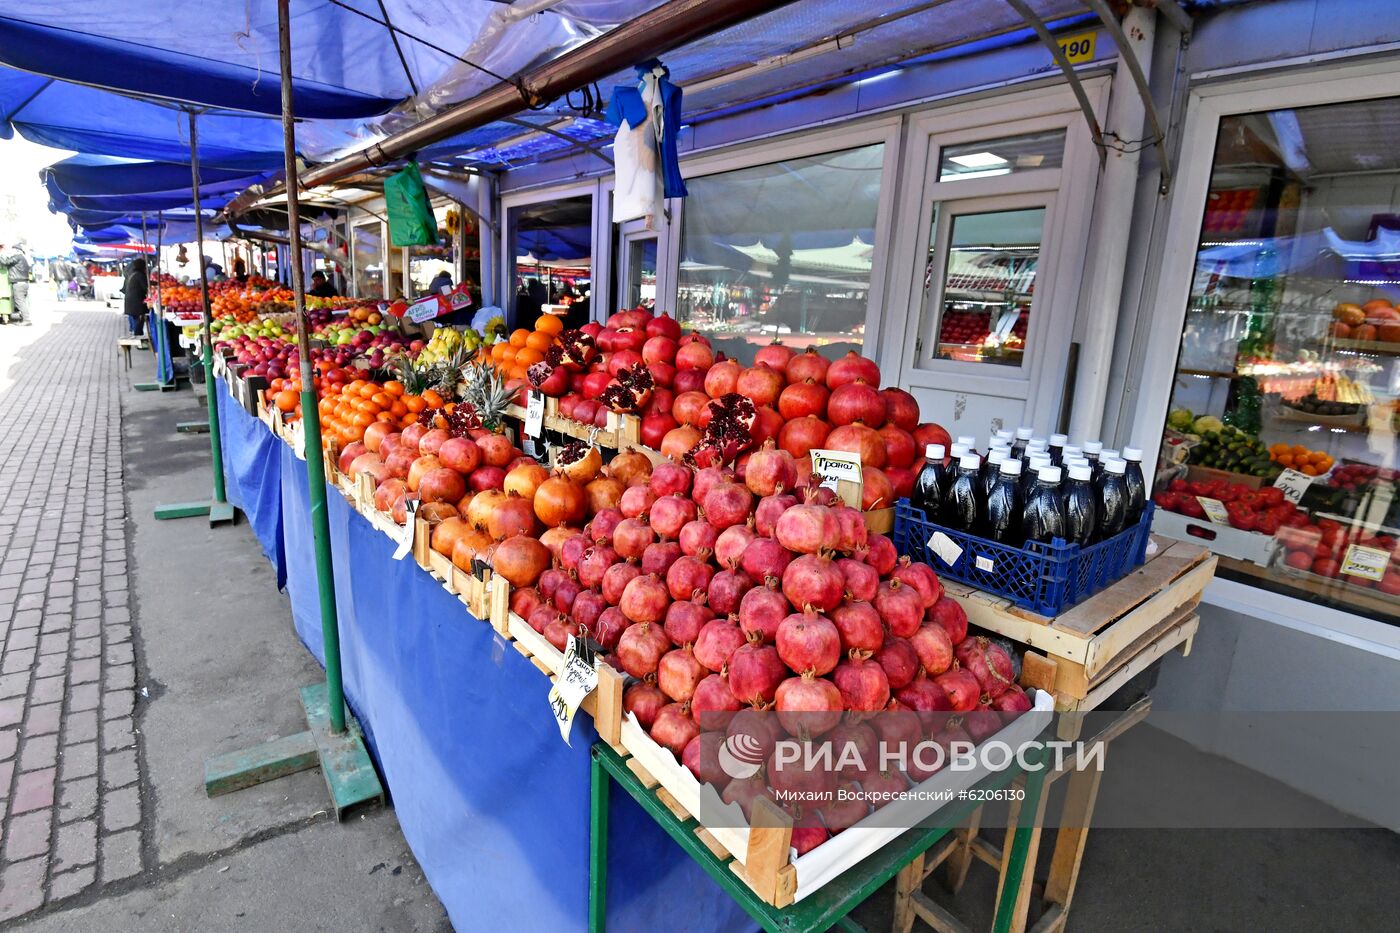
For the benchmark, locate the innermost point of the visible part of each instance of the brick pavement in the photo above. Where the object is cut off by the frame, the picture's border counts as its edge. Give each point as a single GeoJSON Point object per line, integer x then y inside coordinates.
{"type": "Point", "coordinates": [70, 773]}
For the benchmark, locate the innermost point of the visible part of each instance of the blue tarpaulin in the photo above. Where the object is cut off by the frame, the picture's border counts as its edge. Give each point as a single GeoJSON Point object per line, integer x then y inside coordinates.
{"type": "Point", "coordinates": [252, 454]}
{"type": "Point", "coordinates": [491, 800]}
{"type": "Point", "coordinates": [103, 176]}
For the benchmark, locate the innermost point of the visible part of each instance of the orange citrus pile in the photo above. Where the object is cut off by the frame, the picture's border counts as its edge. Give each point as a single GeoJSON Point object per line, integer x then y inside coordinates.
{"type": "Point", "coordinates": [1297, 457]}
{"type": "Point", "coordinates": [525, 347]}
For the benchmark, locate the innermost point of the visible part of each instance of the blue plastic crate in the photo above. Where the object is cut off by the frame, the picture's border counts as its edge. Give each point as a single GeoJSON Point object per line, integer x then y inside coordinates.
{"type": "Point", "coordinates": [1044, 578]}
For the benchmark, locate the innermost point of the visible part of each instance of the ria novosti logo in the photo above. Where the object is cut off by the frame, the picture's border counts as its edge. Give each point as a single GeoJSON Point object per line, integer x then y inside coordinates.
{"type": "Point", "coordinates": [741, 755]}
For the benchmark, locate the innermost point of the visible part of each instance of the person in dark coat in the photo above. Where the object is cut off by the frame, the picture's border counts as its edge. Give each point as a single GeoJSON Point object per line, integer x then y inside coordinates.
{"type": "Point", "coordinates": [134, 296]}
{"type": "Point", "coordinates": [320, 286]}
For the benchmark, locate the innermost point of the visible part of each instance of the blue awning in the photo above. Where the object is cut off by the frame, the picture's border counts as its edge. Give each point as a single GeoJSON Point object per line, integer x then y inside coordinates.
{"type": "Point", "coordinates": [102, 176]}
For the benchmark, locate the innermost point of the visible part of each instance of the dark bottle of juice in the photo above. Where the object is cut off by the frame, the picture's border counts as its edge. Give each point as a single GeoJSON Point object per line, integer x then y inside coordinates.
{"type": "Point", "coordinates": [1136, 483]}
{"type": "Point", "coordinates": [987, 473]}
{"type": "Point", "coordinates": [1105, 455]}
{"type": "Point", "coordinates": [968, 441]}
{"type": "Point", "coordinates": [1044, 515]}
{"type": "Point", "coordinates": [1004, 438]}
{"type": "Point", "coordinates": [1092, 450]}
{"type": "Point", "coordinates": [960, 509]}
{"type": "Point", "coordinates": [1081, 505]}
{"type": "Point", "coordinates": [1018, 446]}
{"type": "Point", "coordinates": [1056, 448]}
{"type": "Point", "coordinates": [1113, 497]}
{"type": "Point", "coordinates": [931, 482]}
{"type": "Point", "coordinates": [1028, 474]}
{"type": "Point", "coordinates": [1001, 513]}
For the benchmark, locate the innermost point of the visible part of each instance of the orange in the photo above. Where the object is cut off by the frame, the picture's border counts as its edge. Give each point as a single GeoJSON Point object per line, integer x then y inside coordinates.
{"type": "Point", "coordinates": [498, 351]}
{"type": "Point", "coordinates": [410, 418]}
{"type": "Point", "coordinates": [519, 336]}
{"type": "Point", "coordinates": [394, 387]}
{"type": "Point", "coordinates": [286, 400]}
{"type": "Point", "coordinates": [1299, 450]}
{"type": "Point", "coordinates": [398, 409]}
{"type": "Point", "coordinates": [368, 389]}
{"type": "Point", "coordinates": [432, 399]}
{"type": "Point", "coordinates": [414, 404]}
{"type": "Point", "coordinates": [362, 420]}
{"type": "Point", "coordinates": [528, 356]}
{"type": "Point", "coordinates": [539, 340]}
{"type": "Point", "coordinates": [516, 372]}
{"type": "Point", "coordinates": [1311, 470]}
{"type": "Point", "coordinates": [381, 399]}
{"type": "Point", "coordinates": [1285, 460]}
{"type": "Point", "coordinates": [508, 357]}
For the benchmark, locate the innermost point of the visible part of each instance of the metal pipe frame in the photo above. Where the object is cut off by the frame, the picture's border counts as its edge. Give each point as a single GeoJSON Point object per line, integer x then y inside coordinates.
{"type": "Point", "coordinates": [1048, 39]}
{"type": "Point", "coordinates": [210, 393]}
{"type": "Point", "coordinates": [1159, 137]}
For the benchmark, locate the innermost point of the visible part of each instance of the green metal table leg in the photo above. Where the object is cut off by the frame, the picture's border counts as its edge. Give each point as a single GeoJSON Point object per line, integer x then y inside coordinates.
{"type": "Point", "coordinates": [1020, 841]}
{"type": "Point", "coordinates": [598, 846]}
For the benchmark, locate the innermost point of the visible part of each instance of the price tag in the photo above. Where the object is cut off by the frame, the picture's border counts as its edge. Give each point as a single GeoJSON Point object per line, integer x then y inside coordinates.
{"type": "Point", "coordinates": [424, 309]}
{"type": "Point", "coordinates": [534, 414]}
{"type": "Point", "coordinates": [1293, 484]}
{"type": "Point", "coordinates": [1366, 562]}
{"type": "Point", "coordinates": [299, 440]}
{"type": "Point", "coordinates": [986, 564]}
{"type": "Point", "coordinates": [410, 504]}
{"type": "Point", "coordinates": [577, 679]}
{"type": "Point", "coordinates": [1215, 510]}
{"type": "Point", "coordinates": [840, 472]}
{"type": "Point", "coordinates": [1078, 48]}
{"type": "Point", "coordinates": [945, 547]}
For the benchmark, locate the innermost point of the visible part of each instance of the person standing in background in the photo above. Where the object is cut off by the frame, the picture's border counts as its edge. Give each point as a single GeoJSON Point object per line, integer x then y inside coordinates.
{"type": "Point", "coordinates": [134, 290]}
{"type": "Point", "coordinates": [16, 266]}
{"type": "Point", "coordinates": [62, 274]}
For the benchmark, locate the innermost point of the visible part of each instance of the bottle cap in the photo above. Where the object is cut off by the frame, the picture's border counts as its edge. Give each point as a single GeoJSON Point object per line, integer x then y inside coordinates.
{"type": "Point", "coordinates": [998, 444]}
{"type": "Point", "coordinates": [1011, 467]}
{"type": "Point", "coordinates": [1093, 448]}
{"type": "Point", "coordinates": [1080, 471]}
{"type": "Point", "coordinates": [969, 462]}
{"type": "Point", "coordinates": [958, 451]}
{"type": "Point", "coordinates": [1048, 474]}
{"type": "Point", "coordinates": [1133, 454]}
{"type": "Point", "coordinates": [1108, 454]}
{"type": "Point", "coordinates": [1115, 465]}
{"type": "Point", "coordinates": [998, 455]}
{"type": "Point", "coordinates": [1071, 452]}
{"type": "Point", "coordinates": [1007, 436]}
{"type": "Point", "coordinates": [1078, 461]}
{"type": "Point", "coordinates": [935, 452]}
{"type": "Point", "coordinates": [1038, 460]}
{"type": "Point", "coordinates": [1037, 443]}
{"type": "Point", "coordinates": [967, 439]}
{"type": "Point", "coordinates": [1059, 440]}
{"type": "Point", "coordinates": [1024, 434]}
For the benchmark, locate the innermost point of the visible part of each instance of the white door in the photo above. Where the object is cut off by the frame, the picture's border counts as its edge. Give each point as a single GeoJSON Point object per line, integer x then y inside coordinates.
{"type": "Point", "coordinates": [988, 261]}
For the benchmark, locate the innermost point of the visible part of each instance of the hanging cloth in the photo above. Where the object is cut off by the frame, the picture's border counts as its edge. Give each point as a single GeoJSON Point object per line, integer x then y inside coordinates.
{"type": "Point", "coordinates": [645, 153]}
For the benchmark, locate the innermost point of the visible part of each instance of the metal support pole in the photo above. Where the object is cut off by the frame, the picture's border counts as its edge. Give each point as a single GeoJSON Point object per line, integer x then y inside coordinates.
{"type": "Point", "coordinates": [1019, 842]}
{"type": "Point", "coordinates": [599, 785]}
{"type": "Point", "coordinates": [215, 444]}
{"type": "Point", "coordinates": [310, 416]}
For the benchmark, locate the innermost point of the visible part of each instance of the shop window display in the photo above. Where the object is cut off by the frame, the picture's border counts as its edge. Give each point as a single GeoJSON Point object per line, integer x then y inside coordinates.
{"type": "Point", "coordinates": [552, 243]}
{"type": "Point", "coordinates": [1281, 440]}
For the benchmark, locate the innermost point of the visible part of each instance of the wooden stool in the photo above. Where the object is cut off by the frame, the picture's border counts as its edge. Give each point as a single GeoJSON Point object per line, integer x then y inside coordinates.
{"type": "Point", "coordinates": [125, 344]}
{"type": "Point", "coordinates": [966, 845]}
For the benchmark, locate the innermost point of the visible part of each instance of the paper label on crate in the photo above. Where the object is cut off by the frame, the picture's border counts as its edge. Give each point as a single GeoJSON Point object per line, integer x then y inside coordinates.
{"type": "Point", "coordinates": [836, 465]}
{"type": "Point", "coordinates": [410, 505]}
{"type": "Point", "coordinates": [1215, 510]}
{"type": "Point", "coordinates": [578, 677]}
{"type": "Point", "coordinates": [1294, 484]}
{"type": "Point", "coordinates": [1369, 563]}
{"type": "Point", "coordinates": [986, 564]}
{"type": "Point", "coordinates": [424, 309]}
{"type": "Point", "coordinates": [945, 547]}
{"type": "Point", "coordinates": [534, 414]}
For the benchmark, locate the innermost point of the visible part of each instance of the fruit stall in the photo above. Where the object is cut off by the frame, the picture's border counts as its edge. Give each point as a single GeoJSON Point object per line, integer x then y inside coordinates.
{"type": "Point", "coordinates": [505, 503]}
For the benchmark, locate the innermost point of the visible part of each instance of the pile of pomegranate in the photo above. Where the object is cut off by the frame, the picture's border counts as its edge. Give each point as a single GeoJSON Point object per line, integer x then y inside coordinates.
{"type": "Point", "coordinates": [763, 604]}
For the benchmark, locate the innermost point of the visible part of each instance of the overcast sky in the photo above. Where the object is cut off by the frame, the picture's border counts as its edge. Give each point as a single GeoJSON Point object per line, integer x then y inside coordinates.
{"type": "Point", "coordinates": [47, 234]}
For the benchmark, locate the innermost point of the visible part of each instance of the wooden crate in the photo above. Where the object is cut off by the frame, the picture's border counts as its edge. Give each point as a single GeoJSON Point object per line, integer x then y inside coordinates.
{"type": "Point", "coordinates": [1150, 610]}
{"type": "Point", "coordinates": [603, 704]}
{"type": "Point", "coordinates": [623, 432]}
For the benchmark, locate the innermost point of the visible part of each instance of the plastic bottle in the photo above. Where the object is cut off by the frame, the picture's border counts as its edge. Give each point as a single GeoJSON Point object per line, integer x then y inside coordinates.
{"type": "Point", "coordinates": [1056, 448]}
{"type": "Point", "coordinates": [1028, 474]}
{"type": "Point", "coordinates": [987, 473]}
{"type": "Point", "coordinates": [957, 452]}
{"type": "Point", "coordinates": [1044, 516]}
{"type": "Point", "coordinates": [1081, 505]}
{"type": "Point", "coordinates": [931, 482]}
{"type": "Point", "coordinates": [1071, 452]}
{"type": "Point", "coordinates": [1136, 483]}
{"type": "Point", "coordinates": [959, 510]}
{"type": "Point", "coordinates": [1105, 455]}
{"type": "Point", "coordinates": [1001, 515]}
{"type": "Point", "coordinates": [1112, 497]}
{"type": "Point", "coordinates": [1005, 438]}
{"type": "Point", "coordinates": [1092, 450]}
{"type": "Point", "coordinates": [1023, 435]}
{"type": "Point", "coordinates": [969, 441]}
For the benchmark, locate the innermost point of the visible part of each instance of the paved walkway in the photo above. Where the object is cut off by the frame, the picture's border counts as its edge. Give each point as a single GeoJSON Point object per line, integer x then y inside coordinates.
{"type": "Point", "coordinates": [69, 765]}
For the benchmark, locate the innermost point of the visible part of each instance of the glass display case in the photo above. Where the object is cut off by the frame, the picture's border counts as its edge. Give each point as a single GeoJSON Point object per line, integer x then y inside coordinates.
{"type": "Point", "coordinates": [1280, 450]}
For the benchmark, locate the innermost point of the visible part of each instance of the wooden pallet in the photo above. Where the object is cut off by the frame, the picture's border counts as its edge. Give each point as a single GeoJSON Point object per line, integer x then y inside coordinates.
{"type": "Point", "coordinates": [623, 432]}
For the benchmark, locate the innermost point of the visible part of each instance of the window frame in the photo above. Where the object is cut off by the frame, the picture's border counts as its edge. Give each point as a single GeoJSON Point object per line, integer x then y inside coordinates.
{"type": "Point", "coordinates": [598, 271]}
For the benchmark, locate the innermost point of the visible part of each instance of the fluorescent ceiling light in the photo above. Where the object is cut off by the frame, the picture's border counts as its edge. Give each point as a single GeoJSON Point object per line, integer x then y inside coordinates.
{"type": "Point", "coordinates": [978, 160]}
{"type": "Point", "coordinates": [984, 173]}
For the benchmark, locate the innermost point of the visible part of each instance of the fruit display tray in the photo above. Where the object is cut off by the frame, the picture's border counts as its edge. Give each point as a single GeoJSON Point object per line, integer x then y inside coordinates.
{"type": "Point", "coordinates": [1250, 546]}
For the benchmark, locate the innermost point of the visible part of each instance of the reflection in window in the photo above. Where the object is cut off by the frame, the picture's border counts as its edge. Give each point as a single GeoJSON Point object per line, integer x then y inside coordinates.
{"type": "Point", "coordinates": [1290, 357]}
{"type": "Point", "coordinates": [552, 243]}
{"type": "Point", "coordinates": [1002, 156]}
{"type": "Point", "coordinates": [988, 284]}
{"type": "Point", "coordinates": [641, 273]}
{"type": "Point", "coordinates": [369, 261]}
{"type": "Point", "coordinates": [781, 251]}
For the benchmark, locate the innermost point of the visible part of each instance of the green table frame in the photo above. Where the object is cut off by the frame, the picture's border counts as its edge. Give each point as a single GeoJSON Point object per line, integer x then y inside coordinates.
{"type": "Point", "coordinates": [827, 907]}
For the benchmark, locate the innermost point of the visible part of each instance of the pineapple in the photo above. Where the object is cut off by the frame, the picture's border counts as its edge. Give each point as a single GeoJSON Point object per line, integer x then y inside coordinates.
{"type": "Point", "coordinates": [485, 391]}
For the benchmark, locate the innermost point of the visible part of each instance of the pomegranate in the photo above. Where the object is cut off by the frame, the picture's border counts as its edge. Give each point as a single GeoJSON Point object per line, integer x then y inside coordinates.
{"type": "Point", "coordinates": [486, 477]}
{"type": "Point", "coordinates": [643, 700]}
{"type": "Point", "coordinates": [808, 830]}
{"type": "Point", "coordinates": [640, 648]}
{"type": "Point", "coordinates": [388, 491]}
{"type": "Point", "coordinates": [560, 501]}
{"type": "Point", "coordinates": [881, 554]}
{"type": "Point", "coordinates": [770, 470]}
{"type": "Point", "coordinates": [656, 426]}
{"type": "Point", "coordinates": [588, 607]}
{"type": "Point", "coordinates": [808, 642]}
{"type": "Point", "coordinates": [803, 399]}
{"type": "Point", "coordinates": [920, 577]}
{"type": "Point", "coordinates": [1014, 700]}
{"type": "Point", "coordinates": [962, 689]}
{"type": "Point", "coordinates": [554, 538]}
{"type": "Point", "coordinates": [858, 439]}
{"type": "Point", "coordinates": [755, 671]}
{"type": "Point", "coordinates": [989, 663]}
{"type": "Point", "coordinates": [727, 589]}
{"type": "Point", "coordinates": [807, 529]}
{"type": "Point", "coordinates": [525, 601]}
{"type": "Point", "coordinates": [799, 435]}
{"type": "Point", "coordinates": [354, 450]}
{"type": "Point", "coordinates": [659, 557]}
{"type": "Point", "coordinates": [579, 462]}
{"type": "Point", "coordinates": [862, 682]}
{"type": "Point", "coordinates": [615, 580]}
{"type": "Point", "coordinates": [850, 368]}
{"type": "Point", "coordinates": [514, 515]}
{"type": "Point", "coordinates": [769, 509]}
{"type": "Point", "coordinates": [930, 433]}
{"type": "Point", "coordinates": [902, 479]}
{"type": "Point", "coordinates": [935, 651]}
{"type": "Point", "coordinates": [688, 407]}
{"type": "Point", "coordinates": [983, 722]}
{"type": "Point", "coordinates": [813, 580]}
{"type": "Point", "coordinates": [760, 383]}
{"type": "Point", "coordinates": [899, 659]}
{"type": "Point", "coordinates": [697, 536]}
{"type": "Point", "coordinates": [636, 500]}
{"type": "Point", "coordinates": [731, 545]}
{"type": "Point", "coordinates": [558, 631]}
{"type": "Point", "coordinates": [722, 378]}
{"type": "Point", "coordinates": [727, 504]}
{"type": "Point", "coordinates": [541, 617]}
{"type": "Point", "coordinates": [713, 705]}
{"type": "Point", "coordinates": [685, 618]}
{"type": "Point", "coordinates": [876, 491]}
{"type": "Point", "coordinates": [594, 564]}
{"type": "Point", "coordinates": [901, 409]}
{"type": "Point", "coordinates": [607, 631]}
{"type": "Point", "coordinates": [859, 626]}
{"type": "Point", "coordinates": [687, 576]}
{"type": "Point", "coordinates": [762, 610]}
{"type": "Point", "coordinates": [808, 706]}
{"type": "Point", "coordinates": [744, 791]}
{"type": "Point", "coordinates": [853, 533]}
{"type": "Point", "coordinates": [520, 560]}
{"type": "Point", "coordinates": [701, 757]}
{"type": "Point", "coordinates": [925, 696]}
{"type": "Point", "coordinates": [571, 551]}
{"type": "Point", "coordinates": [765, 558]}
{"type": "Point", "coordinates": [678, 673]}
{"type": "Point", "coordinates": [900, 606]}
{"type": "Point", "coordinates": [706, 479]}
{"type": "Point", "coordinates": [718, 639]}
{"type": "Point", "coordinates": [670, 479]}
{"type": "Point", "coordinates": [689, 380]}
{"type": "Point", "coordinates": [775, 356]}
{"type": "Point", "coordinates": [860, 578]}
{"type": "Point", "coordinates": [659, 349]}
{"type": "Point", "coordinates": [604, 492]}
{"type": "Point", "coordinates": [948, 613]}
{"type": "Point", "coordinates": [663, 325]}
{"type": "Point", "coordinates": [674, 728]}
{"type": "Point", "coordinates": [670, 514]}
{"type": "Point", "coordinates": [565, 594]}
{"type": "Point", "coordinates": [631, 537]}
{"type": "Point", "coordinates": [856, 402]}
{"type": "Point", "coordinates": [767, 425]}
{"type": "Point", "coordinates": [644, 599]}
{"type": "Point", "coordinates": [604, 523]}
{"type": "Point", "coordinates": [899, 446]}
{"type": "Point", "coordinates": [808, 364]}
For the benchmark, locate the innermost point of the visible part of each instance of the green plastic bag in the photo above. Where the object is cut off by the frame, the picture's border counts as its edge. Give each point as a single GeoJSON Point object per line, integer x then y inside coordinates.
{"type": "Point", "coordinates": [411, 221]}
